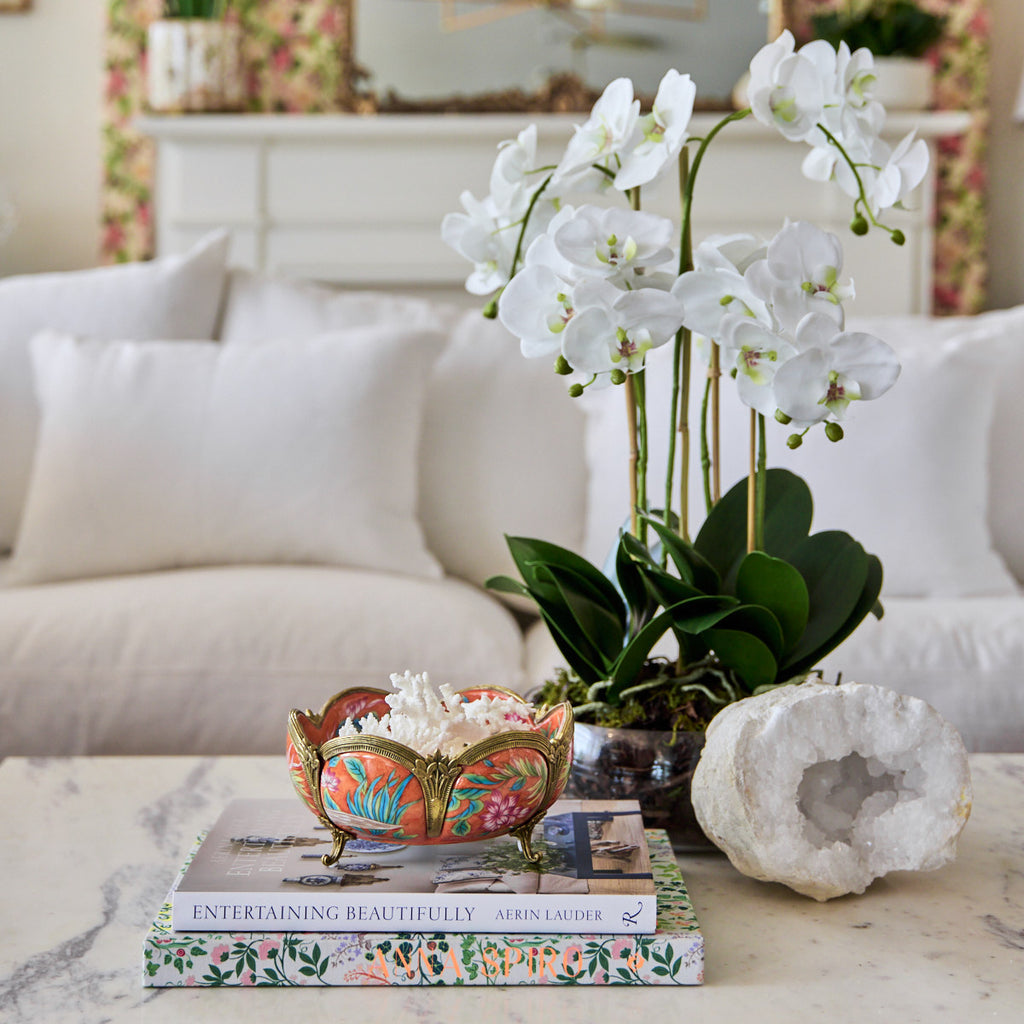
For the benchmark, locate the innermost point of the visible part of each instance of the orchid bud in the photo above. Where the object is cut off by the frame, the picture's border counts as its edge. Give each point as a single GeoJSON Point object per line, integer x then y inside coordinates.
{"type": "Point", "coordinates": [833, 431]}
{"type": "Point", "coordinates": [575, 390]}
{"type": "Point", "coordinates": [794, 441]}
{"type": "Point", "coordinates": [618, 376]}
{"type": "Point", "coordinates": [859, 226]}
{"type": "Point", "coordinates": [490, 311]}
{"type": "Point", "coordinates": [898, 237]}
{"type": "Point", "coordinates": [562, 367]}
{"type": "Point", "coordinates": [782, 418]}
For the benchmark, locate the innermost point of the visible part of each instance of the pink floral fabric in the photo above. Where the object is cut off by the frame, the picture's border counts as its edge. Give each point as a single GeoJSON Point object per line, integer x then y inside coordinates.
{"type": "Point", "coordinates": [298, 58]}
{"type": "Point", "coordinates": [961, 63]}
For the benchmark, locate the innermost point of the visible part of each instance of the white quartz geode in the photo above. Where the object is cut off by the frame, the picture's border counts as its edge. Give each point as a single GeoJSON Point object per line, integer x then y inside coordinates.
{"type": "Point", "coordinates": [827, 787]}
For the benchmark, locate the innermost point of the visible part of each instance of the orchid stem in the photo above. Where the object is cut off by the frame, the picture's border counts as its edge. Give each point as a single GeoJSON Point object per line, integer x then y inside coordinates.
{"type": "Point", "coordinates": [752, 486]}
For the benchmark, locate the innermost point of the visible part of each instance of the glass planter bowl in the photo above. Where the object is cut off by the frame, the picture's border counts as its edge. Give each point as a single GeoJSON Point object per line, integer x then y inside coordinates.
{"type": "Point", "coordinates": [648, 765]}
{"type": "Point", "coordinates": [371, 787]}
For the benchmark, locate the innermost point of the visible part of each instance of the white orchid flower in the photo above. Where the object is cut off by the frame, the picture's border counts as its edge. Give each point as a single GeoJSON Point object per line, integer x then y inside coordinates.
{"type": "Point", "coordinates": [708, 296]}
{"type": "Point", "coordinates": [482, 238]}
{"type": "Point", "coordinates": [890, 174]}
{"type": "Point", "coordinates": [664, 132]}
{"type": "Point", "coordinates": [717, 286]}
{"type": "Point", "coordinates": [605, 337]}
{"type": "Point", "coordinates": [613, 242]}
{"type": "Point", "coordinates": [513, 180]}
{"type": "Point", "coordinates": [787, 90]}
{"type": "Point", "coordinates": [831, 370]}
{"type": "Point", "coordinates": [801, 274]}
{"type": "Point", "coordinates": [857, 81]}
{"type": "Point", "coordinates": [535, 307]}
{"type": "Point", "coordinates": [754, 354]}
{"type": "Point", "coordinates": [608, 132]}
{"type": "Point", "coordinates": [729, 252]}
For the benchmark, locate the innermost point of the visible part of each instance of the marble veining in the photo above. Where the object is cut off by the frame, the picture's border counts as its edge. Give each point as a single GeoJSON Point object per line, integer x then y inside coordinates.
{"type": "Point", "coordinates": [89, 847]}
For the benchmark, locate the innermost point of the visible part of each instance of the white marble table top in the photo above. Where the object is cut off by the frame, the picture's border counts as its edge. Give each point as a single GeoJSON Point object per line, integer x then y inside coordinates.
{"type": "Point", "coordinates": [89, 846]}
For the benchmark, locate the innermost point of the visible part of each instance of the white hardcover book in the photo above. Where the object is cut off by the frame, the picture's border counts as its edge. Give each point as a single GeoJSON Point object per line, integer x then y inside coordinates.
{"type": "Point", "coordinates": [259, 870]}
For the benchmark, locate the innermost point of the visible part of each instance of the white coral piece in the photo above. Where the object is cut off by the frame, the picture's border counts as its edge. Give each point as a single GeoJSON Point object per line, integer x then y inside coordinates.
{"type": "Point", "coordinates": [430, 721]}
{"type": "Point", "coordinates": [826, 788]}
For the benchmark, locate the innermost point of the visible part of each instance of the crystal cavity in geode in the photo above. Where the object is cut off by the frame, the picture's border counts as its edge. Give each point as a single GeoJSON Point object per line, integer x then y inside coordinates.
{"type": "Point", "coordinates": [827, 787]}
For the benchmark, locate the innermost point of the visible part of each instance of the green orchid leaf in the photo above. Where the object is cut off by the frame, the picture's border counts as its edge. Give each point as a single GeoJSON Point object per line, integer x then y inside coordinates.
{"type": "Point", "coordinates": [779, 587]}
{"type": "Point", "coordinates": [693, 567]}
{"type": "Point", "coordinates": [866, 604]}
{"type": "Point", "coordinates": [722, 539]}
{"type": "Point", "coordinates": [528, 551]}
{"type": "Point", "coordinates": [631, 661]}
{"type": "Point", "coordinates": [665, 588]}
{"type": "Point", "coordinates": [759, 622]}
{"type": "Point", "coordinates": [601, 627]}
{"type": "Point", "coordinates": [581, 657]}
{"type": "Point", "coordinates": [689, 617]}
{"type": "Point", "coordinates": [639, 600]}
{"type": "Point", "coordinates": [835, 568]}
{"type": "Point", "coordinates": [748, 657]}
{"type": "Point", "coordinates": [507, 585]}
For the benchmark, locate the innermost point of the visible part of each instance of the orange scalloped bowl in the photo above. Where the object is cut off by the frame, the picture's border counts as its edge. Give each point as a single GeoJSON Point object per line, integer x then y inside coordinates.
{"type": "Point", "coordinates": [371, 787]}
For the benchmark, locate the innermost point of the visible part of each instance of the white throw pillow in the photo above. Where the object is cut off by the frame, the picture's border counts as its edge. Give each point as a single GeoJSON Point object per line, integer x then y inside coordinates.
{"type": "Point", "coordinates": [259, 307]}
{"type": "Point", "coordinates": [172, 297]}
{"type": "Point", "coordinates": [502, 442]}
{"type": "Point", "coordinates": [160, 454]}
{"type": "Point", "coordinates": [998, 338]}
{"type": "Point", "coordinates": [910, 480]}
{"type": "Point", "coordinates": [502, 453]}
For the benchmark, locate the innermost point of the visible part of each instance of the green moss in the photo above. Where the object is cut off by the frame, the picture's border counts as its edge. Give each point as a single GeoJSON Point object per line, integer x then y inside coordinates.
{"type": "Point", "coordinates": [672, 704]}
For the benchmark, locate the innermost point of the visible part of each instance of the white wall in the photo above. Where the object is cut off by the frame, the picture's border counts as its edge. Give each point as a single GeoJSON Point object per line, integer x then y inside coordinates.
{"type": "Point", "coordinates": [50, 102]}
{"type": "Point", "coordinates": [50, 92]}
{"type": "Point", "coordinates": [1006, 158]}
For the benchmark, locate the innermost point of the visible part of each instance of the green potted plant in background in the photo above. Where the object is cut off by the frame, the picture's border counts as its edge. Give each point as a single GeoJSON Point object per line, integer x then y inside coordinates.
{"type": "Point", "coordinates": [753, 599]}
{"type": "Point", "coordinates": [899, 33]}
{"type": "Point", "coordinates": [194, 59]}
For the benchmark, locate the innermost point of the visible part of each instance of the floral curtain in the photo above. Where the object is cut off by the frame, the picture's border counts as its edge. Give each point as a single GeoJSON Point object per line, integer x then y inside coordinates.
{"type": "Point", "coordinates": [299, 60]}
{"type": "Point", "coordinates": [961, 63]}
{"type": "Point", "coordinates": [298, 56]}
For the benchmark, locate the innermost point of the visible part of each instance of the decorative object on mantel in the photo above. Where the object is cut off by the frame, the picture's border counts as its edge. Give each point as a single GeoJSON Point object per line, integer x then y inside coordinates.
{"type": "Point", "coordinates": [15, 6]}
{"type": "Point", "coordinates": [194, 59]}
{"type": "Point", "coordinates": [900, 34]}
{"type": "Point", "coordinates": [470, 765]}
{"type": "Point", "coordinates": [753, 600]}
{"type": "Point", "coordinates": [826, 788]}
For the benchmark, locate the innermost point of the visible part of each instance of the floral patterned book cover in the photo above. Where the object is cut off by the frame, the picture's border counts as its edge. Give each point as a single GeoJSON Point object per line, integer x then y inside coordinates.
{"type": "Point", "coordinates": [260, 869]}
{"type": "Point", "coordinates": [673, 955]}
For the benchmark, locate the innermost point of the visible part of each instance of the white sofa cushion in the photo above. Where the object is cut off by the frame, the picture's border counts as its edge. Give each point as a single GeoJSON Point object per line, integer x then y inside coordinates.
{"type": "Point", "coordinates": [161, 454]}
{"type": "Point", "coordinates": [910, 480]}
{"type": "Point", "coordinates": [173, 297]}
{"type": "Point", "coordinates": [502, 442]}
{"type": "Point", "coordinates": [997, 338]}
{"type": "Point", "coordinates": [502, 452]}
{"type": "Point", "coordinates": [210, 661]}
{"type": "Point", "coordinates": [259, 307]}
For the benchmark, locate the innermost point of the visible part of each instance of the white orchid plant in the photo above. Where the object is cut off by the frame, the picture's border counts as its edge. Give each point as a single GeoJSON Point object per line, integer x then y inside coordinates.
{"type": "Point", "coordinates": [754, 599]}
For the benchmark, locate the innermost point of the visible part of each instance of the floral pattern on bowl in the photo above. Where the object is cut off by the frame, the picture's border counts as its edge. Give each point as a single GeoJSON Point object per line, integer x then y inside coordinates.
{"type": "Point", "coordinates": [371, 787]}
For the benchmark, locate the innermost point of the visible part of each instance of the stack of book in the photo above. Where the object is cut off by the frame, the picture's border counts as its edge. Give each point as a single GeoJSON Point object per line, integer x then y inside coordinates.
{"type": "Point", "coordinates": [254, 905]}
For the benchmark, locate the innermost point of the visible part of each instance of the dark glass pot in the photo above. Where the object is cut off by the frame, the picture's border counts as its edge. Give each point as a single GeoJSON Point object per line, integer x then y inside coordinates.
{"type": "Point", "coordinates": [652, 767]}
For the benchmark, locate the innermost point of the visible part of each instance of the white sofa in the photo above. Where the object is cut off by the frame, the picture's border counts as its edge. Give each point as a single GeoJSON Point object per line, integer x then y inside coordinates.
{"type": "Point", "coordinates": [195, 624]}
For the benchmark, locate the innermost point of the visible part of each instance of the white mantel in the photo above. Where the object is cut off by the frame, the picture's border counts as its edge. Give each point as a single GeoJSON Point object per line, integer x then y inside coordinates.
{"type": "Point", "coordinates": [359, 200]}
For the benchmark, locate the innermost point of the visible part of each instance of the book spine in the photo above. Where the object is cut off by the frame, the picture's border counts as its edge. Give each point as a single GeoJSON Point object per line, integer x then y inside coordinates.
{"type": "Point", "coordinates": [479, 913]}
{"type": "Point", "coordinates": [327, 959]}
